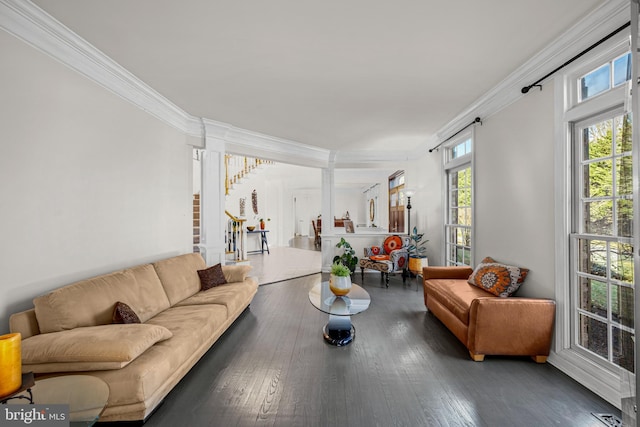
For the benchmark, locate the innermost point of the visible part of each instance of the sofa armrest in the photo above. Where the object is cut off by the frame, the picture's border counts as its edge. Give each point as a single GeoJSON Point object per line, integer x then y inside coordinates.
{"type": "Point", "coordinates": [235, 273]}
{"type": "Point", "coordinates": [396, 256]}
{"type": "Point", "coordinates": [368, 251]}
{"type": "Point", "coordinates": [511, 326]}
{"type": "Point", "coordinates": [451, 272]}
{"type": "Point", "coordinates": [24, 322]}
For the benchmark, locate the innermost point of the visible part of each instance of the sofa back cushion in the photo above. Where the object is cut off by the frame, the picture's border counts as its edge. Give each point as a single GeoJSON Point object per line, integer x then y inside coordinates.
{"type": "Point", "coordinates": [179, 276]}
{"type": "Point", "coordinates": [91, 302]}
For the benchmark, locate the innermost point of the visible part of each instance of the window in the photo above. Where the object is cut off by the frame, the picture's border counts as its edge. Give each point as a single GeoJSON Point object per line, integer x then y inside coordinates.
{"type": "Point", "coordinates": [459, 214]}
{"type": "Point", "coordinates": [396, 202]}
{"type": "Point", "coordinates": [602, 240]}
{"type": "Point", "coordinates": [593, 219]}
{"type": "Point", "coordinates": [605, 77]}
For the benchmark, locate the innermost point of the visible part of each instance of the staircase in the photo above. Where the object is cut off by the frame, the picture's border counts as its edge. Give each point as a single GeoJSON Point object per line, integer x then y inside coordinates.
{"type": "Point", "coordinates": [196, 223]}
{"type": "Point", "coordinates": [237, 168]}
{"type": "Point", "coordinates": [236, 240]}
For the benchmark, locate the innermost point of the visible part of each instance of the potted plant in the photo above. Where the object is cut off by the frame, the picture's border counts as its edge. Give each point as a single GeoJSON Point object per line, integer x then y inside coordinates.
{"type": "Point", "coordinates": [340, 279]}
{"type": "Point", "coordinates": [262, 222]}
{"type": "Point", "coordinates": [417, 251]}
{"type": "Point", "coordinates": [348, 258]}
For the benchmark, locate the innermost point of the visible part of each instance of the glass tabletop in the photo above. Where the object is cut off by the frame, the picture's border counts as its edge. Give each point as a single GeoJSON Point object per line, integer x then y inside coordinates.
{"type": "Point", "coordinates": [356, 301]}
{"type": "Point", "coordinates": [86, 396]}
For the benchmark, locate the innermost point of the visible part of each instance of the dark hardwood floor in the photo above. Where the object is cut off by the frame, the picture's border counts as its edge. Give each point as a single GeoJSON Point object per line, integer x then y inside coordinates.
{"type": "Point", "coordinates": [272, 368]}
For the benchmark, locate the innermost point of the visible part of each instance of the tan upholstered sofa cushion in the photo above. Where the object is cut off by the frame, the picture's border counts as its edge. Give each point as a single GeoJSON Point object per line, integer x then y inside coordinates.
{"type": "Point", "coordinates": [90, 348]}
{"type": "Point", "coordinates": [179, 276]}
{"type": "Point", "coordinates": [91, 302]}
{"type": "Point", "coordinates": [233, 296]}
{"type": "Point", "coordinates": [235, 273]}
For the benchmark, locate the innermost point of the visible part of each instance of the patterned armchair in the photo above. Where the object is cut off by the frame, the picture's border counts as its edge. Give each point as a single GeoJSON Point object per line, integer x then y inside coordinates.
{"type": "Point", "coordinates": [391, 257]}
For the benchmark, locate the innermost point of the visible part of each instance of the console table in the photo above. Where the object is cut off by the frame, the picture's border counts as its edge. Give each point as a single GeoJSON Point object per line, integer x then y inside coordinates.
{"type": "Point", "coordinates": [264, 244]}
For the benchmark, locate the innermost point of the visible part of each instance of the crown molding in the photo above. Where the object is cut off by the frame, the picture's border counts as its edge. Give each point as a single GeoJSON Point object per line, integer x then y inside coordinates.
{"type": "Point", "coordinates": [600, 22]}
{"type": "Point", "coordinates": [249, 143]}
{"type": "Point", "coordinates": [29, 23]}
{"type": "Point", "coordinates": [34, 26]}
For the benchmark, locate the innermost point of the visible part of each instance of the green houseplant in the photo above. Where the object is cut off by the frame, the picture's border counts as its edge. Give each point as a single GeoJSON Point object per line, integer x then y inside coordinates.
{"type": "Point", "coordinates": [340, 279]}
{"type": "Point", "coordinates": [338, 269]}
{"type": "Point", "coordinates": [348, 257]}
{"type": "Point", "coordinates": [417, 251]}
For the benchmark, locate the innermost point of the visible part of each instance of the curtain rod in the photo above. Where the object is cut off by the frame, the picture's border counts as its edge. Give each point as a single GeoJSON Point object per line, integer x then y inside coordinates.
{"type": "Point", "coordinates": [476, 120]}
{"type": "Point", "coordinates": [596, 44]}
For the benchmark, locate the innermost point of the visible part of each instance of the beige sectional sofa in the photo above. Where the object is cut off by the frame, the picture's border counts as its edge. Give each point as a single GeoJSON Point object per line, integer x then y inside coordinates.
{"type": "Point", "coordinates": [70, 330]}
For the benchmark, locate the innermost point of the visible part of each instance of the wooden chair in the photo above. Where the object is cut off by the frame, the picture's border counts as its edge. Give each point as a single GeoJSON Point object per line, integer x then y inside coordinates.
{"type": "Point", "coordinates": [316, 231]}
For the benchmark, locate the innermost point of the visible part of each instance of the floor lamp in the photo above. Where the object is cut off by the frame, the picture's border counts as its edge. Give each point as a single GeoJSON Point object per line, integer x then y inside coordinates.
{"type": "Point", "coordinates": [409, 194]}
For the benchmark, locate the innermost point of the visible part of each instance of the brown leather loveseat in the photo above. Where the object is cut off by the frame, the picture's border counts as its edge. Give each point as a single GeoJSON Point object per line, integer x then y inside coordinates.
{"type": "Point", "coordinates": [485, 323]}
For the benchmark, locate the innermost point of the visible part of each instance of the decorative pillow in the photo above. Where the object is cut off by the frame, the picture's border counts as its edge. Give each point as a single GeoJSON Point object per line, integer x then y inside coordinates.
{"type": "Point", "coordinates": [122, 313]}
{"type": "Point", "coordinates": [236, 273]}
{"type": "Point", "coordinates": [375, 250]}
{"type": "Point", "coordinates": [392, 243]}
{"type": "Point", "coordinates": [211, 277]}
{"type": "Point", "coordinates": [92, 348]}
{"type": "Point", "coordinates": [499, 279]}
{"type": "Point", "coordinates": [379, 257]}
{"type": "Point", "coordinates": [402, 261]}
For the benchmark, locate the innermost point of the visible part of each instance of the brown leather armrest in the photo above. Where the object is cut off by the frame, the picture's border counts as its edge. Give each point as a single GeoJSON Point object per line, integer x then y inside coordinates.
{"type": "Point", "coordinates": [511, 326]}
{"type": "Point", "coordinates": [450, 272]}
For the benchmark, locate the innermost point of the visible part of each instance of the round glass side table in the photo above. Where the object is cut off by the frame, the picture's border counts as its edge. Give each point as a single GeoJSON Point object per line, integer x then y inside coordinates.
{"type": "Point", "coordinates": [339, 331]}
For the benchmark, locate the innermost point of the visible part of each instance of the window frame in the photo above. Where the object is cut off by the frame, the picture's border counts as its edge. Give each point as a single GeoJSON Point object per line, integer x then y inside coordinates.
{"type": "Point", "coordinates": [578, 233]}
{"type": "Point", "coordinates": [605, 382]}
{"type": "Point", "coordinates": [455, 164]}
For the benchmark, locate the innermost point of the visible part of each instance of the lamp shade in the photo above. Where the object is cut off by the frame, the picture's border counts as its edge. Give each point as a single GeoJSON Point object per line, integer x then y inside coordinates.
{"type": "Point", "coordinates": [10, 363]}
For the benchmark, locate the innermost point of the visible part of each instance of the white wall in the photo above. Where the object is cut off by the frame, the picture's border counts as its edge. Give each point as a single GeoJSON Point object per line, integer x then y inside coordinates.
{"type": "Point", "coordinates": [352, 200]}
{"type": "Point", "coordinates": [425, 177]}
{"type": "Point", "coordinates": [88, 182]}
{"type": "Point", "coordinates": [276, 186]}
{"type": "Point", "coordinates": [514, 190]}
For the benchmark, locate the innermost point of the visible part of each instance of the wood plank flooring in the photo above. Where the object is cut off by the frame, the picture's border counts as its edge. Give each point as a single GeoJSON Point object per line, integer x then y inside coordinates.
{"type": "Point", "coordinates": [404, 368]}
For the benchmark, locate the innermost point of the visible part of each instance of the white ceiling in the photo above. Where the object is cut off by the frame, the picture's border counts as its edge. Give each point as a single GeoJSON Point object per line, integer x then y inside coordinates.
{"type": "Point", "coordinates": [340, 75]}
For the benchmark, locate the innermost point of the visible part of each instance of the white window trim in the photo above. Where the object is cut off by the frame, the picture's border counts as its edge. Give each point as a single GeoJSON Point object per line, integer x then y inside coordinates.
{"type": "Point", "coordinates": [448, 165]}
{"type": "Point", "coordinates": [602, 381]}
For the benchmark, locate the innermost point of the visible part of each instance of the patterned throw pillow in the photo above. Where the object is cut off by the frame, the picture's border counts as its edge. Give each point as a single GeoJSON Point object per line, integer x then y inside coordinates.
{"type": "Point", "coordinates": [122, 313]}
{"type": "Point", "coordinates": [499, 279]}
{"type": "Point", "coordinates": [392, 243]}
{"type": "Point", "coordinates": [375, 250]}
{"type": "Point", "coordinates": [211, 277]}
{"type": "Point", "coordinates": [402, 261]}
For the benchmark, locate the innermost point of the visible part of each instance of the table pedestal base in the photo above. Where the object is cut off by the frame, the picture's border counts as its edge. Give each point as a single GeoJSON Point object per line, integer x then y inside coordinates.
{"type": "Point", "coordinates": [339, 331]}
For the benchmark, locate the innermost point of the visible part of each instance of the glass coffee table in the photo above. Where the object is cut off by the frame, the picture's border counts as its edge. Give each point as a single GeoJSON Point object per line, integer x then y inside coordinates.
{"type": "Point", "coordinates": [339, 331]}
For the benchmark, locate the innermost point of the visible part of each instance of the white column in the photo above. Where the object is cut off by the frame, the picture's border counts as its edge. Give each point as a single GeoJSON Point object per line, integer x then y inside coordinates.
{"type": "Point", "coordinates": [212, 221]}
{"type": "Point", "coordinates": [329, 239]}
